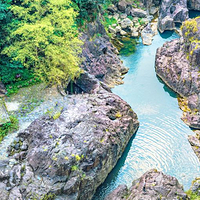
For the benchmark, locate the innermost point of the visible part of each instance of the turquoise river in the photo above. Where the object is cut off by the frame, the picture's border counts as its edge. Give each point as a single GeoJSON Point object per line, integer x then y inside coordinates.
{"type": "Point", "coordinates": [161, 141]}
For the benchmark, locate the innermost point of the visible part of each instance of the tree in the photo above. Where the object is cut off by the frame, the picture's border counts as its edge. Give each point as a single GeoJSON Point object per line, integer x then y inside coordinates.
{"type": "Point", "coordinates": [88, 8]}
{"type": "Point", "coordinates": [46, 39]}
{"type": "Point", "coordinates": [5, 18]}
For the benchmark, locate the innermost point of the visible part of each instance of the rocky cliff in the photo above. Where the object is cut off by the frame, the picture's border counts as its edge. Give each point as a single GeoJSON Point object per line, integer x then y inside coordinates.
{"type": "Point", "coordinates": [177, 64]}
{"type": "Point", "coordinates": [68, 155]}
{"type": "Point", "coordinates": [172, 12]}
{"type": "Point", "coordinates": [100, 56]}
{"type": "Point", "coordinates": [152, 185]}
{"type": "Point", "coordinates": [194, 4]}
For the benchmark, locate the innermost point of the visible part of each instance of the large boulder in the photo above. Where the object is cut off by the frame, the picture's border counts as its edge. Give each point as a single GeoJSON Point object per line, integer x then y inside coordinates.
{"type": "Point", "coordinates": [100, 58]}
{"type": "Point", "coordinates": [194, 141]}
{"type": "Point", "coordinates": [194, 4]}
{"type": "Point", "coordinates": [68, 155]}
{"type": "Point", "coordinates": [2, 90]}
{"type": "Point", "coordinates": [170, 13]}
{"type": "Point", "coordinates": [148, 32]}
{"type": "Point", "coordinates": [152, 185]}
{"type": "Point", "coordinates": [126, 23]}
{"type": "Point", "coordinates": [123, 5]}
{"type": "Point", "coordinates": [4, 117]}
{"type": "Point", "coordinates": [177, 64]}
{"type": "Point", "coordinates": [135, 12]}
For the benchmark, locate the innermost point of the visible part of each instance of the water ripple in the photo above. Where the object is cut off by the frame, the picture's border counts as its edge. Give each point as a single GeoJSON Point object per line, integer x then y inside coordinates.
{"type": "Point", "coordinates": [161, 141]}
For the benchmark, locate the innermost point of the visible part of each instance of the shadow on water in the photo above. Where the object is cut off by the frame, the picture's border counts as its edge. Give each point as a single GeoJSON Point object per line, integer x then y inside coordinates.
{"type": "Point", "coordinates": [166, 34]}
{"type": "Point", "coordinates": [167, 89]}
{"type": "Point", "coordinates": [194, 14]}
{"type": "Point", "coordinates": [113, 174]}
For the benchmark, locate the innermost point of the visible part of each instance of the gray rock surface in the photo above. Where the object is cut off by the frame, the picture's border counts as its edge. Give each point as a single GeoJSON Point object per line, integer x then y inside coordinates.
{"type": "Point", "coordinates": [2, 89]}
{"type": "Point", "coordinates": [4, 117]}
{"type": "Point", "coordinates": [170, 12]}
{"type": "Point", "coordinates": [194, 4]}
{"type": "Point", "coordinates": [70, 154]}
{"type": "Point", "coordinates": [100, 56]}
{"type": "Point", "coordinates": [153, 185]}
{"type": "Point", "coordinates": [135, 12]}
{"type": "Point", "coordinates": [177, 64]}
{"type": "Point", "coordinates": [195, 143]}
{"type": "Point", "coordinates": [148, 33]}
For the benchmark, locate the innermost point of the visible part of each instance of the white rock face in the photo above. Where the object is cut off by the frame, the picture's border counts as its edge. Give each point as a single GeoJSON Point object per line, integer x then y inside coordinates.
{"type": "Point", "coordinates": [126, 23]}
{"type": "Point", "coordinates": [4, 117]}
{"type": "Point", "coordinates": [12, 106]}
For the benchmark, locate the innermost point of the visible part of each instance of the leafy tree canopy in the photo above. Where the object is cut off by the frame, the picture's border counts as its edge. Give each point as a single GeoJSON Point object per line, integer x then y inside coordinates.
{"type": "Point", "coordinates": [46, 39]}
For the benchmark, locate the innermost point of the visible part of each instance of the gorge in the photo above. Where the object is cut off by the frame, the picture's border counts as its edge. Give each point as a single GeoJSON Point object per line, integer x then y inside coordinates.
{"type": "Point", "coordinates": [117, 125]}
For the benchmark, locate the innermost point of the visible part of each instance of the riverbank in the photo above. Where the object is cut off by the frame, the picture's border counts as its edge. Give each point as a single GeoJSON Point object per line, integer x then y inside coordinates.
{"type": "Point", "coordinates": [162, 138]}
{"type": "Point", "coordinates": [55, 161]}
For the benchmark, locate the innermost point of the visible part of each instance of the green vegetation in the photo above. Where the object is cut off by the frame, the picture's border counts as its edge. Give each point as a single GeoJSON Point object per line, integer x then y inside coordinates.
{"type": "Point", "coordinates": [192, 195]}
{"type": "Point", "coordinates": [9, 127]}
{"type": "Point", "coordinates": [49, 196]}
{"type": "Point", "coordinates": [141, 21]}
{"type": "Point", "coordinates": [74, 168]}
{"type": "Point", "coordinates": [39, 39]}
{"type": "Point", "coordinates": [129, 46]}
{"type": "Point", "coordinates": [56, 115]}
{"type": "Point", "coordinates": [190, 26]}
{"type": "Point", "coordinates": [108, 22]}
{"type": "Point", "coordinates": [88, 9]}
{"type": "Point", "coordinates": [38, 42]}
{"type": "Point", "coordinates": [12, 74]}
{"type": "Point", "coordinates": [46, 42]}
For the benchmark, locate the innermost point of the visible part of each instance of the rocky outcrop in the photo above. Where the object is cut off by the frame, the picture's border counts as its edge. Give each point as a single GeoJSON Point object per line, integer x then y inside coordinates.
{"type": "Point", "coordinates": [170, 13]}
{"type": "Point", "coordinates": [129, 18]}
{"type": "Point", "coordinates": [4, 117]}
{"type": "Point", "coordinates": [2, 89]}
{"type": "Point", "coordinates": [195, 188]}
{"type": "Point", "coordinates": [195, 143]}
{"type": "Point", "coordinates": [100, 56]}
{"type": "Point", "coordinates": [177, 64]}
{"type": "Point", "coordinates": [152, 185]}
{"type": "Point", "coordinates": [69, 154]}
{"type": "Point", "coordinates": [148, 33]}
{"type": "Point", "coordinates": [194, 4]}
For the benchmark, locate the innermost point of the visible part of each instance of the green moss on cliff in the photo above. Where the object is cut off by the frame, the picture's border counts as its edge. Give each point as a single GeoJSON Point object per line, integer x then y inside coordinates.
{"type": "Point", "coordinates": [190, 26]}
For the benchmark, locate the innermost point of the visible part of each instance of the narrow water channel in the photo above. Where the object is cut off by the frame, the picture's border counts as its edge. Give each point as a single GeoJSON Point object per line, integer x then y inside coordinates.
{"type": "Point", "coordinates": [161, 141]}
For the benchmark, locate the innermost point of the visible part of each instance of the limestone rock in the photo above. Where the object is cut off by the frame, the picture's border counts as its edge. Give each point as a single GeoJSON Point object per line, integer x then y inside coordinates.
{"type": "Point", "coordinates": [123, 33]}
{"type": "Point", "coordinates": [100, 58]}
{"type": "Point", "coordinates": [122, 5]}
{"type": "Point", "coordinates": [171, 12]}
{"type": "Point", "coordinates": [152, 185]}
{"type": "Point", "coordinates": [2, 89]}
{"type": "Point", "coordinates": [195, 143]}
{"type": "Point", "coordinates": [4, 117]}
{"type": "Point", "coordinates": [177, 64]}
{"type": "Point", "coordinates": [194, 4]}
{"type": "Point", "coordinates": [112, 8]}
{"type": "Point", "coordinates": [135, 12]}
{"type": "Point", "coordinates": [111, 30]}
{"type": "Point", "coordinates": [125, 23]}
{"type": "Point", "coordinates": [69, 156]}
{"type": "Point", "coordinates": [148, 32]}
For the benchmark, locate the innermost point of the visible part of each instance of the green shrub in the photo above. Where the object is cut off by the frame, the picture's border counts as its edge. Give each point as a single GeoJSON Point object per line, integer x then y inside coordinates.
{"type": "Point", "coordinates": [9, 127]}
{"type": "Point", "coordinates": [192, 195]}
{"type": "Point", "coordinates": [141, 21]}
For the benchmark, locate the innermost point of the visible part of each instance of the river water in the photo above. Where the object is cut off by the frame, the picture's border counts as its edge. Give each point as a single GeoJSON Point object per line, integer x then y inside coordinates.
{"type": "Point", "coordinates": [161, 141]}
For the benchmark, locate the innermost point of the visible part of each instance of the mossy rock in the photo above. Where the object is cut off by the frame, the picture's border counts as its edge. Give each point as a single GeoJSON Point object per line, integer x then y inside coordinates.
{"type": "Point", "coordinates": [4, 117]}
